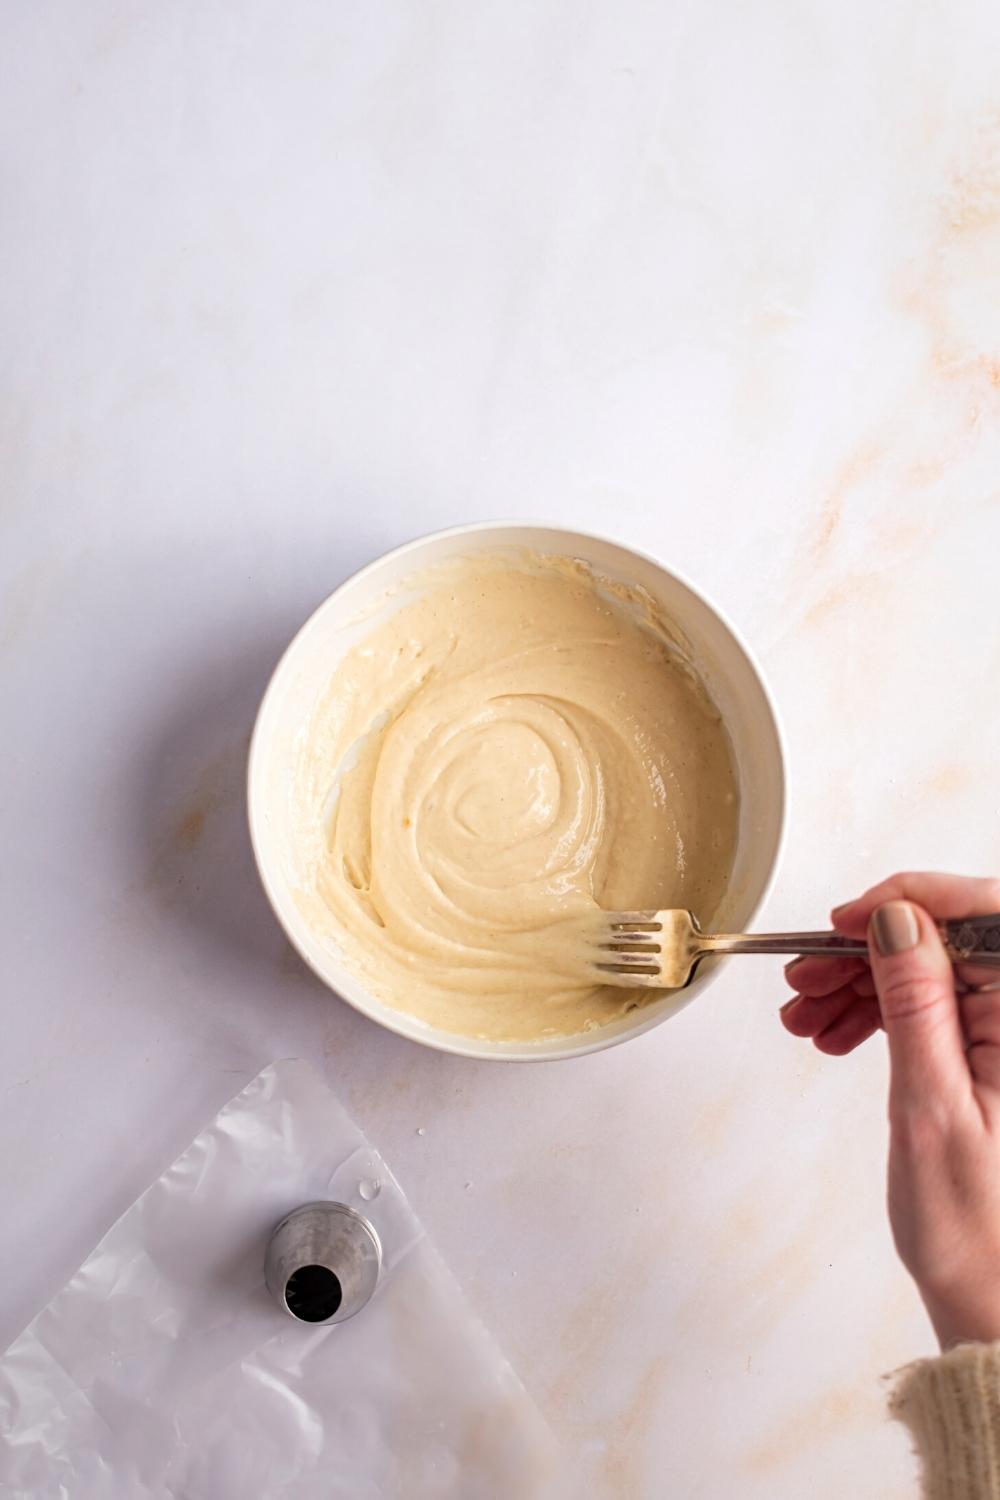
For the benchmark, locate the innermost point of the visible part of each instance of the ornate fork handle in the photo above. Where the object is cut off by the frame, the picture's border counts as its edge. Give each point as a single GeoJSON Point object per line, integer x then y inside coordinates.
{"type": "Point", "coordinates": [971, 940]}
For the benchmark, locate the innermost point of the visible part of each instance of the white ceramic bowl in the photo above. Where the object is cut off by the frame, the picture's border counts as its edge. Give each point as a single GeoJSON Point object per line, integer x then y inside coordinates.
{"type": "Point", "coordinates": [722, 658]}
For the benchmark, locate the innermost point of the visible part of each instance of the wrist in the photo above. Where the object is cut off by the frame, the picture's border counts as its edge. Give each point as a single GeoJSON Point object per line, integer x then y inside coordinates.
{"type": "Point", "coordinates": [963, 1319]}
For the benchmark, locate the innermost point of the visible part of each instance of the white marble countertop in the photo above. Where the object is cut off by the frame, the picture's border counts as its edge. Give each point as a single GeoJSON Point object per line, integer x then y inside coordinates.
{"type": "Point", "coordinates": [285, 285]}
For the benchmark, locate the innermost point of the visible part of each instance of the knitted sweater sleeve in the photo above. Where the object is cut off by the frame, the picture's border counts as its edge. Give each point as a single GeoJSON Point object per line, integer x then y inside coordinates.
{"type": "Point", "coordinates": [951, 1406]}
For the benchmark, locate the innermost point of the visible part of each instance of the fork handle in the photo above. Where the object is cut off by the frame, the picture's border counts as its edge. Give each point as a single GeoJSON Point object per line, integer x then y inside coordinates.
{"type": "Point", "coordinates": [972, 940]}
{"type": "Point", "coordinates": [782, 942]}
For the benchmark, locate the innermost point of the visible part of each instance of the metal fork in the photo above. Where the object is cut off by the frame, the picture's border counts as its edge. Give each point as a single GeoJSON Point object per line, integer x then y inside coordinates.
{"type": "Point", "coordinates": [662, 949]}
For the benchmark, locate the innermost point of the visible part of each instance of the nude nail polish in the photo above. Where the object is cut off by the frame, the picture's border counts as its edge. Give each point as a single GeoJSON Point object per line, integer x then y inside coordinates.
{"type": "Point", "coordinates": [894, 927]}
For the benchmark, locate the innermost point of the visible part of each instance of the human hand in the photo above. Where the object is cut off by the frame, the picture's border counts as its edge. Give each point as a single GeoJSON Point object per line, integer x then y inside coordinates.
{"type": "Point", "coordinates": [944, 1095]}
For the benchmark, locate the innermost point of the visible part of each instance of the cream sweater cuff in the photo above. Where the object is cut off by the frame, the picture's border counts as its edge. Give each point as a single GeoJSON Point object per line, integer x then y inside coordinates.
{"type": "Point", "coordinates": [952, 1407]}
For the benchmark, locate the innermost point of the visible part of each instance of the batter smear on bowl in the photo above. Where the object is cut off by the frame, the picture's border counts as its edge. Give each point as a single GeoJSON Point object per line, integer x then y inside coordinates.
{"type": "Point", "coordinates": [517, 745]}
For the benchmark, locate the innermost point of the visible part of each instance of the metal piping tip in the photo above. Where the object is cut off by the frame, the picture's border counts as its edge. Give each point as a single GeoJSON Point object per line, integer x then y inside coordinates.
{"type": "Point", "coordinates": [322, 1263]}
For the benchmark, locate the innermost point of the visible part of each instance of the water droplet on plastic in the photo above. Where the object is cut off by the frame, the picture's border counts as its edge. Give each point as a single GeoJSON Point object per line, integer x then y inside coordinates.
{"type": "Point", "coordinates": [421, 1130]}
{"type": "Point", "coordinates": [369, 1188]}
{"type": "Point", "coordinates": [468, 1187]}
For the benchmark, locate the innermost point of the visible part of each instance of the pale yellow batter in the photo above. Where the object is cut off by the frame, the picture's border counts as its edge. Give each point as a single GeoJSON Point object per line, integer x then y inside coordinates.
{"type": "Point", "coordinates": [511, 751]}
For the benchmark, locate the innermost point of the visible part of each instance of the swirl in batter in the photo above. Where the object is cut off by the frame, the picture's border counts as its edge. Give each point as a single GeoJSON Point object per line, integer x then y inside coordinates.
{"type": "Point", "coordinates": [507, 753]}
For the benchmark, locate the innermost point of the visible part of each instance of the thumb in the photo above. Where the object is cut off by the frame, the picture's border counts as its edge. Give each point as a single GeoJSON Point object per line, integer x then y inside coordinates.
{"type": "Point", "coordinates": [916, 993]}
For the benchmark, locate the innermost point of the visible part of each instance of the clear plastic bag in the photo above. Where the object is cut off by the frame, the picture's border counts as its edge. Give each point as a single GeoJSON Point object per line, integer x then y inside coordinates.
{"type": "Point", "coordinates": [163, 1367]}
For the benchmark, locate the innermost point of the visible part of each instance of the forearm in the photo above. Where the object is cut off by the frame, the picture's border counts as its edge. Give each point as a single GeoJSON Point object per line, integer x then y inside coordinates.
{"type": "Point", "coordinates": [951, 1406]}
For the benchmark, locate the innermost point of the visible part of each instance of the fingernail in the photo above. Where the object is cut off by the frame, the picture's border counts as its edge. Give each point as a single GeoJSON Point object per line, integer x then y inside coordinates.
{"type": "Point", "coordinates": [894, 927]}
{"type": "Point", "coordinates": [789, 1003]}
{"type": "Point", "coordinates": [838, 909]}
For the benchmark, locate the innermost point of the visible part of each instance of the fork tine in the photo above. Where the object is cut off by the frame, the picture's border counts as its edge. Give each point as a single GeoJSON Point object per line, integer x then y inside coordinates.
{"type": "Point", "coordinates": [627, 921]}
{"type": "Point", "coordinates": [629, 958]}
{"type": "Point", "coordinates": [648, 978]}
{"type": "Point", "coordinates": [627, 949]}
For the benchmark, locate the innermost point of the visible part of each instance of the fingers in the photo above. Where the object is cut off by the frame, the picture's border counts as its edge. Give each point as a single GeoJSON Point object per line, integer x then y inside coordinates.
{"type": "Point", "coordinates": [808, 1015]}
{"type": "Point", "coordinates": [919, 1007]}
{"type": "Point", "coordinates": [945, 896]}
{"type": "Point", "coordinates": [828, 1007]}
{"type": "Point", "coordinates": [854, 1026]}
{"type": "Point", "coordinates": [980, 1010]}
{"type": "Point", "coordinates": [819, 974]}
{"type": "Point", "coordinates": [837, 1022]}
{"type": "Point", "coordinates": [835, 1005]}
{"type": "Point", "coordinates": [978, 976]}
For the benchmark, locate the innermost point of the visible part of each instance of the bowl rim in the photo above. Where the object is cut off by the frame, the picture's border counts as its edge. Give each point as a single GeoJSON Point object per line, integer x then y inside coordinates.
{"type": "Point", "coordinates": [581, 1044]}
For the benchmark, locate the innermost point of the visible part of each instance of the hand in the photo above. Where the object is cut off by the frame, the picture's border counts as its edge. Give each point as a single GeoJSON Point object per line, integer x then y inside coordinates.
{"type": "Point", "coordinates": [944, 1095]}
